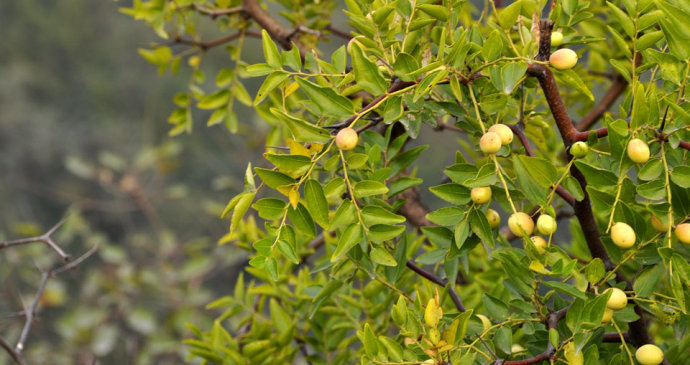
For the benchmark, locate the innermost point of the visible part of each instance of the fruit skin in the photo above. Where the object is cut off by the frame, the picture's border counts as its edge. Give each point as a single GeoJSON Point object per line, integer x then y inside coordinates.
{"type": "Point", "coordinates": [638, 151]}
{"type": "Point", "coordinates": [546, 225]}
{"type": "Point", "coordinates": [572, 357]}
{"type": "Point", "coordinates": [523, 220]}
{"type": "Point", "coordinates": [490, 143]}
{"type": "Point", "coordinates": [608, 314]}
{"type": "Point", "coordinates": [486, 322]}
{"type": "Point", "coordinates": [346, 139]}
{"type": "Point", "coordinates": [658, 225]}
{"type": "Point", "coordinates": [556, 39]}
{"type": "Point", "coordinates": [563, 59]}
{"type": "Point", "coordinates": [493, 218]}
{"type": "Point", "coordinates": [623, 235]}
{"type": "Point", "coordinates": [649, 355]}
{"type": "Point", "coordinates": [683, 233]}
{"type": "Point", "coordinates": [539, 243]}
{"type": "Point", "coordinates": [481, 195]}
{"type": "Point", "coordinates": [579, 149]}
{"type": "Point", "coordinates": [504, 132]}
{"type": "Point", "coordinates": [618, 300]}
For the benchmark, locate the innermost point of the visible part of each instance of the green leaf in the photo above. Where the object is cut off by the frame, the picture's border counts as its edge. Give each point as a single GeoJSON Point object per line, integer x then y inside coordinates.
{"type": "Point", "coordinates": [624, 20]}
{"type": "Point", "coordinates": [273, 179]}
{"type": "Point", "coordinates": [400, 162]}
{"type": "Point", "coordinates": [565, 289]}
{"type": "Point", "coordinates": [640, 111]}
{"type": "Point", "coordinates": [291, 165]}
{"type": "Point", "coordinates": [373, 214]}
{"type": "Point", "coordinates": [301, 130]}
{"type": "Point", "coordinates": [240, 209]}
{"type": "Point", "coordinates": [270, 208]}
{"type": "Point", "coordinates": [572, 79]}
{"type": "Point", "coordinates": [280, 319]}
{"type": "Point", "coordinates": [495, 307]}
{"type": "Point", "coordinates": [302, 220]}
{"type": "Point", "coordinates": [292, 58]}
{"type": "Point", "coordinates": [492, 46]}
{"type": "Point", "coordinates": [508, 16]}
{"type": "Point", "coordinates": [435, 11]}
{"type": "Point", "coordinates": [367, 188]}
{"type": "Point", "coordinates": [326, 99]}
{"type": "Point", "coordinates": [447, 216]}
{"type": "Point", "coordinates": [452, 193]}
{"type": "Point", "coordinates": [271, 53]}
{"type": "Point", "coordinates": [352, 236]}
{"type": "Point", "coordinates": [681, 176]}
{"type": "Point", "coordinates": [370, 344]}
{"type": "Point", "coordinates": [480, 226]}
{"type": "Point", "coordinates": [405, 65]}
{"type": "Point", "coordinates": [384, 232]}
{"type": "Point", "coordinates": [380, 256]}
{"type": "Point", "coordinates": [216, 100]}
{"type": "Point", "coordinates": [403, 184]}
{"type": "Point", "coordinates": [647, 280]}
{"type": "Point", "coordinates": [288, 251]}
{"type": "Point", "coordinates": [316, 202]}
{"type": "Point", "coordinates": [595, 271]}
{"type": "Point", "coordinates": [595, 175]}
{"type": "Point", "coordinates": [270, 82]}
{"type": "Point", "coordinates": [271, 267]}
{"type": "Point", "coordinates": [511, 73]}
{"type": "Point", "coordinates": [366, 72]}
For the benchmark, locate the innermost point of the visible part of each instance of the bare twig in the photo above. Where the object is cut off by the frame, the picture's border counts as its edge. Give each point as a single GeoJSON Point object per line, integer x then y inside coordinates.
{"type": "Point", "coordinates": [438, 281]}
{"type": "Point", "coordinates": [45, 238]}
{"type": "Point", "coordinates": [13, 354]}
{"type": "Point", "coordinates": [220, 41]}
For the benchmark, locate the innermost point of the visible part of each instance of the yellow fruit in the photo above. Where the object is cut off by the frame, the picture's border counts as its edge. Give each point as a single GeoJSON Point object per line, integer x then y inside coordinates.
{"type": "Point", "coordinates": [556, 39]}
{"type": "Point", "coordinates": [579, 149]}
{"type": "Point", "coordinates": [649, 355]}
{"type": "Point", "coordinates": [618, 300]}
{"type": "Point", "coordinates": [638, 151]}
{"type": "Point", "coordinates": [546, 225]}
{"type": "Point", "coordinates": [573, 357]}
{"type": "Point", "coordinates": [563, 59]}
{"type": "Point", "coordinates": [504, 132]}
{"type": "Point", "coordinates": [493, 218]}
{"type": "Point", "coordinates": [521, 220]}
{"type": "Point", "coordinates": [490, 143]}
{"type": "Point", "coordinates": [683, 233]}
{"type": "Point", "coordinates": [481, 195]}
{"type": "Point", "coordinates": [608, 314]}
{"type": "Point", "coordinates": [486, 322]}
{"type": "Point", "coordinates": [539, 243]}
{"type": "Point", "coordinates": [346, 139]}
{"type": "Point", "coordinates": [658, 225]}
{"type": "Point", "coordinates": [622, 235]}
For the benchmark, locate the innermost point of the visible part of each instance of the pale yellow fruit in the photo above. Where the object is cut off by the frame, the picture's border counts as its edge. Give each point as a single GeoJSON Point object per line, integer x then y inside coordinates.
{"type": "Point", "coordinates": [579, 149]}
{"type": "Point", "coordinates": [658, 225]}
{"type": "Point", "coordinates": [573, 357]}
{"type": "Point", "coordinates": [546, 225]}
{"type": "Point", "coordinates": [521, 220]}
{"type": "Point", "coordinates": [481, 195]}
{"type": "Point", "coordinates": [486, 322]}
{"type": "Point", "coordinates": [623, 235]}
{"type": "Point", "coordinates": [556, 39]}
{"type": "Point", "coordinates": [539, 243]}
{"type": "Point", "coordinates": [490, 143]}
{"type": "Point", "coordinates": [563, 59]}
{"type": "Point", "coordinates": [493, 218]}
{"type": "Point", "coordinates": [608, 314]}
{"type": "Point", "coordinates": [649, 355]}
{"type": "Point", "coordinates": [683, 233]}
{"type": "Point", "coordinates": [638, 151]}
{"type": "Point", "coordinates": [618, 300]}
{"type": "Point", "coordinates": [346, 139]}
{"type": "Point", "coordinates": [504, 132]}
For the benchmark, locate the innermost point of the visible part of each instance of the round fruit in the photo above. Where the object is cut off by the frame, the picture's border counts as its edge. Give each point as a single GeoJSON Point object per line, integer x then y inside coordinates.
{"type": "Point", "coordinates": [608, 314]}
{"type": "Point", "coordinates": [539, 243]}
{"type": "Point", "coordinates": [481, 195]}
{"type": "Point", "coordinates": [649, 355]}
{"type": "Point", "coordinates": [493, 218]}
{"type": "Point", "coordinates": [563, 59]}
{"type": "Point", "coordinates": [638, 151]}
{"type": "Point", "coordinates": [579, 149]}
{"type": "Point", "coordinates": [521, 220]}
{"type": "Point", "coordinates": [683, 233]}
{"type": "Point", "coordinates": [618, 300]}
{"type": "Point", "coordinates": [346, 139]}
{"type": "Point", "coordinates": [556, 39]}
{"type": "Point", "coordinates": [490, 143]}
{"type": "Point", "coordinates": [574, 358]}
{"type": "Point", "coordinates": [486, 322]}
{"type": "Point", "coordinates": [546, 225]}
{"type": "Point", "coordinates": [622, 235]}
{"type": "Point", "coordinates": [504, 132]}
{"type": "Point", "coordinates": [658, 225]}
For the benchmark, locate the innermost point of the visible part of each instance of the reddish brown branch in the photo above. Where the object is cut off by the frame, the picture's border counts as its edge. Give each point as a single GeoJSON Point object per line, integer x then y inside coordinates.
{"type": "Point", "coordinates": [434, 279]}
{"type": "Point", "coordinates": [619, 85]}
{"type": "Point", "coordinates": [338, 32]}
{"type": "Point", "coordinates": [217, 42]}
{"type": "Point", "coordinates": [278, 32]}
{"type": "Point", "coordinates": [551, 322]}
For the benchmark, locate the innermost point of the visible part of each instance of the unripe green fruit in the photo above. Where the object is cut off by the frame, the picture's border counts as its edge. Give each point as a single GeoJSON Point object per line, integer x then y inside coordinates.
{"type": "Point", "coordinates": [649, 355]}
{"type": "Point", "coordinates": [372, 289]}
{"type": "Point", "coordinates": [504, 132]}
{"type": "Point", "coordinates": [521, 220]}
{"type": "Point", "coordinates": [490, 143]}
{"type": "Point", "coordinates": [579, 149]}
{"type": "Point", "coordinates": [539, 243]}
{"type": "Point", "coordinates": [493, 218]}
{"type": "Point", "coordinates": [556, 39]}
{"type": "Point", "coordinates": [574, 358]}
{"type": "Point", "coordinates": [638, 151]}
{"type": "Point", "coordinates": [622, 235]}
{"type": "Point", "coordinates": [608, 315]}
{"type": "Point", "coordinates": [618, 300]}
{"type": "Point", "coordinates": [563, 59]}
{"type": "Point", "coordinates": [658, 225]}
{"type": "Point", "coordinates": [346, 139]}
{"type": "Point", "coordinates": [486, 322]}
{"type": "Point", "coordinates": [683, 233]}
{"type": "Point", "coordinates": [481, 195]}
{"type": "Point", "coordinates": [546, 225]}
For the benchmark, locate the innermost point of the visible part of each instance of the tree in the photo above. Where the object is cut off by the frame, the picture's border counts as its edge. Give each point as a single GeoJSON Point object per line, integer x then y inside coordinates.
{"type": "Point", "coordinates": [347, 262]}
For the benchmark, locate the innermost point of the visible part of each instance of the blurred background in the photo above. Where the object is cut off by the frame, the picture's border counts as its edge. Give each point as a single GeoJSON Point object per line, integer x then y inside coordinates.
{"type": "Point", "coordinates": [83, 135]}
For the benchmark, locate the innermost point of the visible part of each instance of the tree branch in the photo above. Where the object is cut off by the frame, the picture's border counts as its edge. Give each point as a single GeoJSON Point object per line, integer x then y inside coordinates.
{"type": "Point", "coordinates": [45, 238]}
{"type": "Point", "coordinates": [438, 281]}
{"type": "Point", "coordinates": [13, 354]}
{"type": "Point", "coordinates": [278, 32]}
{"type": "Point", "coordinates": [220, 41]}
{"type": "Point", "coordinates": [619, 85]}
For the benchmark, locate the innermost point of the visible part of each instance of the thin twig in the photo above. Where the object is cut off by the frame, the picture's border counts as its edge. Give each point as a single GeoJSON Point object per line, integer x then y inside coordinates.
{"type": "Point", "coordinates": [438, 281]}
{"type": "Point", "coordinates": [45, 238]}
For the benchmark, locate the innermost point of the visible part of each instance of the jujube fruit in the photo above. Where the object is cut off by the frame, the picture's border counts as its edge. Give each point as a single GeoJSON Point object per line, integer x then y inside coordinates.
{"type": "Point", "coordinates": [622, 235]}
{"type": "Point", "coordinates": [481, 195]}
{"type": "Point", "coordinates": [638, 151]}
{"type": "Point", "coordinates": [546, 225]}
{"type": "Point", "coordinates": [618, 300]}
{"type": "Point", "coordinates": [683, 233]}
{"type": "Point", "coordinates": [521, 220]}
{"type": "Point", "coordinates": [346, 139]}
{"type": "Point", "coordinates": [649, 355]}
{"type": "Point", "coordinates": [490, 143]}
{"type": "Point", "coordinates": [504, 132]}
{"type": "Point", "coordinates": [563, 59]}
